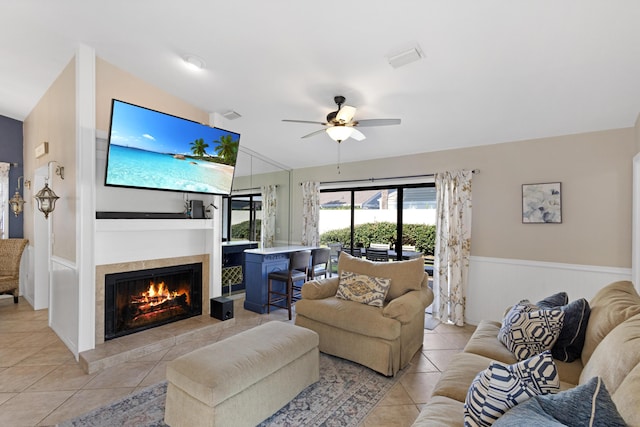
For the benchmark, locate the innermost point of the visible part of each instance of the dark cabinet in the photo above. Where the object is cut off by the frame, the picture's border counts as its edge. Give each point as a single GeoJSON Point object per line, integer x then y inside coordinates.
{"type": "Point", "coordinates": [233, 274]}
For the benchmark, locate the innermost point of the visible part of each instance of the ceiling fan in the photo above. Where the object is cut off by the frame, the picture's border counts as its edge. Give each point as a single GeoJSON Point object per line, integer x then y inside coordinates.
{"type": "Point", "coordinates": [340, 124]}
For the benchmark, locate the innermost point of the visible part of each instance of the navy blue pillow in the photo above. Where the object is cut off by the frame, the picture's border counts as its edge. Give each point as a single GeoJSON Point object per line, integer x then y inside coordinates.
{"type": "Point", "coordinates": [588, 404]}
{"type": "Point", "coordinates": [555, 300]}
{"type": "Point", "coordinates": [569, 345]}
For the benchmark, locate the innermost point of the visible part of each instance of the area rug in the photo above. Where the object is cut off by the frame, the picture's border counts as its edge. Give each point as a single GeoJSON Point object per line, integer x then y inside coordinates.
{"type": "Point", "coordinates": [344, 396]}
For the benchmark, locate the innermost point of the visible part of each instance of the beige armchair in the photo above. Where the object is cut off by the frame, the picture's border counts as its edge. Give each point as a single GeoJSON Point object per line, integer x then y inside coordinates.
{"type": "Point", "coordinates": [10, 255]}
{"type": "Point", "coordinates": [385, 338]}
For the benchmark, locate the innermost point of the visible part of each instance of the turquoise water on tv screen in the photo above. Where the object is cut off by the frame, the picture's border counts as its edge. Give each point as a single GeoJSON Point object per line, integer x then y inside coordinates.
{"type": "Point", "coordinates": [133, 167]}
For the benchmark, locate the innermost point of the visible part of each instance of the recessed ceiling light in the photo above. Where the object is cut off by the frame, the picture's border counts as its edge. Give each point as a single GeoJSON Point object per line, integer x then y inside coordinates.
{"type": "Point", "coordinates": [195, 62]}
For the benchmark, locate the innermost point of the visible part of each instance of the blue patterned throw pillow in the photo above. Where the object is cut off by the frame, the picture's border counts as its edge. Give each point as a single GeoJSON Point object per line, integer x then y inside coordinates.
{"type": "Point", "coordinates": [588, 404]}
{"type": "Point", "coordinates": [569, 345]}
{"type": "Point", "coordinates": [502, 386]}
{"type": "Point", "coordinates": [527, 330]}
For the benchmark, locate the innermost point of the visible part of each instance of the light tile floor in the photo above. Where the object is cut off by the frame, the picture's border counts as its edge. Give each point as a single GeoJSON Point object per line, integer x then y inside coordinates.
{"type": "Point", "coordinates": [42, 384]}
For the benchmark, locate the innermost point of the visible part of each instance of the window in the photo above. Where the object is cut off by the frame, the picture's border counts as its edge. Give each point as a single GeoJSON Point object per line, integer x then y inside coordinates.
{"type": "Point", "coordinates": [242, 217]}
{"type": "Point", "coordinates": [393, 215]}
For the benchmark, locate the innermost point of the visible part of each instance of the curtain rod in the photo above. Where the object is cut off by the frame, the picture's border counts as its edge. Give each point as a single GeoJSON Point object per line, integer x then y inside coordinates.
{"type": "Point", "coordinates": [429, 175]}
{"type": "Point", "coordinates": [250, 189]}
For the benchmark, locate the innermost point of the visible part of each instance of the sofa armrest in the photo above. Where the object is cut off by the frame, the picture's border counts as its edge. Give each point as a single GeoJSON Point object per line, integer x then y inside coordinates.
{"type": "Point", "coordinates": [407, 306]}
{"type": "Point", "coordinates": [320, 289]}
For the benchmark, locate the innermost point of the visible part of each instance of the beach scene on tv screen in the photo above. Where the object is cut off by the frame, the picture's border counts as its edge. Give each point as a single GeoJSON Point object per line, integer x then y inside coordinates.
{"type": "Point", "coordinates": [148, 149]}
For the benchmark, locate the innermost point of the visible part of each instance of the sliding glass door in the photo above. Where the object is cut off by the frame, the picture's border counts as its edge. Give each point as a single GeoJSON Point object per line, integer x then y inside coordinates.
{"type": "Point", "coordinates": [395, 216]}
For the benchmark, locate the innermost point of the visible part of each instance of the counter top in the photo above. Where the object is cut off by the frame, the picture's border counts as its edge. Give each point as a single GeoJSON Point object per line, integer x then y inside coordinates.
{"type": "Point", "coordinates": [278, 250]}
{"type": "Point", "coordinates": [238, 243]}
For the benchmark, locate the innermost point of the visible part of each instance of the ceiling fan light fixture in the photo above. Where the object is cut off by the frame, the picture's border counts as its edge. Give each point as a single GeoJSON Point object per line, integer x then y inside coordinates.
{"type": "Point", "coordinates": [345, 114]}
{"type": "Point", "coordinates": [339, 133]}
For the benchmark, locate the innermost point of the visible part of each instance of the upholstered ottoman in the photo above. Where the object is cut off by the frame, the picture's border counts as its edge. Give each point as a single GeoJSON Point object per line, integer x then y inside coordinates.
{"type": "Point", "coordinates": [241, 380]}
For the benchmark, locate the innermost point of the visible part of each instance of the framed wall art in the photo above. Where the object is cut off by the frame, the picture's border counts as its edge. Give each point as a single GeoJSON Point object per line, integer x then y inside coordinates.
{"type": "Point", "coordinates": [542, 203]}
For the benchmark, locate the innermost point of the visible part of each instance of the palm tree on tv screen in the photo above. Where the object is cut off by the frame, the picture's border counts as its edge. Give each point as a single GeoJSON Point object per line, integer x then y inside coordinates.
{"type": "Point", "coordinates": [227, 149]}
{"type": "Point", "coordinates": [199, 147]}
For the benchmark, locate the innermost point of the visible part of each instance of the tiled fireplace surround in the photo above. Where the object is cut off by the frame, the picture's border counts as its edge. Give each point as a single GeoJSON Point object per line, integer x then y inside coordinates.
{"type": "Point", "coordinates": [118, 350]}
{"type": "Point", "coordinates": [103, 270]}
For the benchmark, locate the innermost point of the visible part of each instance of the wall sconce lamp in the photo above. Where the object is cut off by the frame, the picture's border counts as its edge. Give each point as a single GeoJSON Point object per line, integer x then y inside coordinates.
{"type": "Point", "coordinates": [46, 198]}
{"type": "Point", "coordinates": [17, 202]}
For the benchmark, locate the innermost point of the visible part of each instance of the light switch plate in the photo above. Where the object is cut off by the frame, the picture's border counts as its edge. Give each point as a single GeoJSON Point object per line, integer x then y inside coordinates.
{"type": "Point", "coordinates": [42, 149]}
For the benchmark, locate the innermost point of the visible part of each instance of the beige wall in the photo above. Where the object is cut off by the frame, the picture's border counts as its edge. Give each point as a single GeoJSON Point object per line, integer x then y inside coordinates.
{"type": "Point", "coordinates": [112, 82]}
{"type": "Point", "coordinates": [54, 120]}
{"type": "Point", "coordinates": [595, 172]}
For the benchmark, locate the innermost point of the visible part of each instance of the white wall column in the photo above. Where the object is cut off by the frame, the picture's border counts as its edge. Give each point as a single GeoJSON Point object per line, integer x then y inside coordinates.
{"type": "Point", "coordinates": [85, 185]}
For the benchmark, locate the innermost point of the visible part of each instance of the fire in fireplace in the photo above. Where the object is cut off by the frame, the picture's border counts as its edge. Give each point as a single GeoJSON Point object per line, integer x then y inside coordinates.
{"type": "Point", "coordinates": [138, 300]}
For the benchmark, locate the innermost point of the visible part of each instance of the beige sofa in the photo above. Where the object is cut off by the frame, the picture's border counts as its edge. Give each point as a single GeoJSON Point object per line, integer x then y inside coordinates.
{"type": "Point", "coordinates": [611, 351]}
{"type": "Point", "coordinates": [381, 338]}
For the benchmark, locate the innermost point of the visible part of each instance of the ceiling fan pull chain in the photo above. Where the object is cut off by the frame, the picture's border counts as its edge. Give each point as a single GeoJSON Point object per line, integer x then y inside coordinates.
{"type": "Point", "coordinates": [339, 158]}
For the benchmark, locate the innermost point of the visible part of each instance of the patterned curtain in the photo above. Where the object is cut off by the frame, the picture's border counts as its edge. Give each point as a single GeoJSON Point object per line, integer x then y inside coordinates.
{"type": "Point", "coordinates": [453, 244]}
{"type": "Point", "coordinates": [269, 208]}
{"type": "Point", "coordinates": [310, 213]}
{"type": "Point", "coordinates": [4, 199]}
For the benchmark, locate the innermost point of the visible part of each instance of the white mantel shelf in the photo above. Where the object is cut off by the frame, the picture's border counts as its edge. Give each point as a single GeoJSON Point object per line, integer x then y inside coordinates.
{"type": "Point", "coordinates": [126, 240]}
{"type": "Point", "coordinates": [126, 225]}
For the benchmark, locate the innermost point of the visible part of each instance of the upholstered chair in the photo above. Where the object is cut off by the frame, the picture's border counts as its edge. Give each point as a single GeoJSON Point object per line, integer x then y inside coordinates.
{"type": "Point", "coordinates": [10, 255]}
{"type": "Point", "coordinates": [382, 328]}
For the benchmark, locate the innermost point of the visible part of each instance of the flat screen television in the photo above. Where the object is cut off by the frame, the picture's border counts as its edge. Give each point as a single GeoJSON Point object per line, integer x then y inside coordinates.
{"type": "Point", "coordinates": [158, 151]}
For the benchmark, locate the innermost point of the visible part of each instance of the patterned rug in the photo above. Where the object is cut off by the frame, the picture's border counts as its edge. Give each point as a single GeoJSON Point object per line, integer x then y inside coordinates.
{"type": "Point", "coordinates": [344, 396]}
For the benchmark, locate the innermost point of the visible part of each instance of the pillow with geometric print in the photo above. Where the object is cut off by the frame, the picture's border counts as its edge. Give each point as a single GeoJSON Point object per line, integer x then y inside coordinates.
{"type": "Point", "coordinates": [528, 330]}
{"type": "Point", "coordinates": [362, 288]}
{"type": "Point", "coordinates": [501, 387]}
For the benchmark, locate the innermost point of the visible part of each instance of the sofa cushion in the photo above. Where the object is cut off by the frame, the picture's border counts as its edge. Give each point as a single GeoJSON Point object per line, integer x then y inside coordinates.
{"type": "Point", "coordinates": [616, 356]}
{"type": "Point", "coordinates": [569, 345]}
{"type": "Point", "coordinates": [440, 411]}
{"type": "Point", "coordinates": [503, 386]}
{"type": "Point", "coordinates": [362, 288]}
{"type": "Point", "coordinates": [611, 306]}
{"type": "Point", "coordinates": [627, 397]}
{"type": "Point", "coordinates": [455, 381]}
{"type": "Point", "coordinates": [485, 342]}
{"type": "Point", "coordinates": [586, 405]}
{"type": "Point", "coordinates": [351, 316]}
{"type": "Point", "coordinates": [527, 330]}
{"type": "Point", "coordinates": [405, 275]}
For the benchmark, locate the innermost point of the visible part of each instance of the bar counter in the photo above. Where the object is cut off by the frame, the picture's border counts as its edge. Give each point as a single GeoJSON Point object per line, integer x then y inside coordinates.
{"type": "Point", "coordinates": [258, 264]}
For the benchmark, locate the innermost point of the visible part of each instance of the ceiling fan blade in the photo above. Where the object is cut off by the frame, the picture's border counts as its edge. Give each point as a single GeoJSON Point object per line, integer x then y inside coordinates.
{"type": "Point", "coordinates": [305, 121]}
{"type": "Point", "coordinates": [346, 113]}
{"type": "Point", "coordinates": [313, 133]}
{"type": "Point", "coordinates": [377, 122]}
{"type": "Point", "coordinates": [357, 135]}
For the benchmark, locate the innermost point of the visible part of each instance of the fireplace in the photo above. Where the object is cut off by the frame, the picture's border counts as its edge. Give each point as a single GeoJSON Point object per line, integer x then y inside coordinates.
{"type": "Point", "coordinates": [143, 299]}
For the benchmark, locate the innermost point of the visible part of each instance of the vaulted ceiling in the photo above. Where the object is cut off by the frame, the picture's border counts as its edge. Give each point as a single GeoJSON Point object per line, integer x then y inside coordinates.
{"type": "Point", "coordinates": [493, 70]}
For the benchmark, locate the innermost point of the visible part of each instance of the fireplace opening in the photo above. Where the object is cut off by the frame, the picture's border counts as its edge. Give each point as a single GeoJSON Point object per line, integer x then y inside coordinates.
{"type": "Point", "coordinates": [143, 299]}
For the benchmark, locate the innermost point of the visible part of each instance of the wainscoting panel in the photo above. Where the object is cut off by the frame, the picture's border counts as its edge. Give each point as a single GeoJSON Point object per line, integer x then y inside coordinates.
{"type": "Point", "coordinates": [497, 283]}
{"type": "Point", "coordinates": [63, 310]}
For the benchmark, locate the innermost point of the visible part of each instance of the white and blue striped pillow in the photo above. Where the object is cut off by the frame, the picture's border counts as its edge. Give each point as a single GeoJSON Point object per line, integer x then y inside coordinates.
{"type": "Point", "coordinates": [502, 386]}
